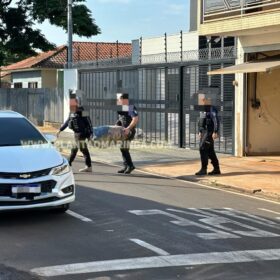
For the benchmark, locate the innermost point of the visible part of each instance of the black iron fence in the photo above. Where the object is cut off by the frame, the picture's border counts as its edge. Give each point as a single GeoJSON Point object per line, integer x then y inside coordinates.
{"type": "Point", "coordinates": [165, 95]}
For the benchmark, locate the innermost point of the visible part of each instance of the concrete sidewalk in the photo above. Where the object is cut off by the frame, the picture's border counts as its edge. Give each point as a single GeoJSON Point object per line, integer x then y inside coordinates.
{"type": "Point", "coordinates": [259, 176]}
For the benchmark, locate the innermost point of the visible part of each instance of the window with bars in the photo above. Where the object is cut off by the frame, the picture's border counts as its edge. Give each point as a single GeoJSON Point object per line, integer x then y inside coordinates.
{"type": "Point", "coordinates": [33, 85]}
{"type": "Point", "coordinates": [17, 85]}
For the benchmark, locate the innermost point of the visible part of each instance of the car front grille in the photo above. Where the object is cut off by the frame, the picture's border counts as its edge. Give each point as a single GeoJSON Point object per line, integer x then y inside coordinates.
{"type": "Point", "coordinates": [46, 187]}
{"type": "Point", "coordinates": [26, 175]}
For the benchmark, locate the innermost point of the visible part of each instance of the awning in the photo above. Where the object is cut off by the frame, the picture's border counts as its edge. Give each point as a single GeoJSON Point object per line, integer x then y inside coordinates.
{"type": "Point", "coordinates": [248, 67]}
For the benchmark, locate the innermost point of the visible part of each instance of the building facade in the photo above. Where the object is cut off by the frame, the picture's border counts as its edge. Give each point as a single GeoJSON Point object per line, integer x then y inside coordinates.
{"type": "Point", "coordinates": [45, 70]}
{"type": "Point", "coordinates": [256, 25]}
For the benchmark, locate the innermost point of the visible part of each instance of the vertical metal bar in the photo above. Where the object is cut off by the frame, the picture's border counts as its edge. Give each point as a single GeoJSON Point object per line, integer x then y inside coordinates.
{"type": "Point", "coordinates": [222, 47]}
{"type": "Point", "coordinates": [165, 47]}
{"type": "Point", "coordinates": [96, 53]}
{"type": "Point", "coordinates": [242, 7]}
{"type": "Point", "coordinates": [181, 44]}
{"type": "Point", "coordinates": [140, 50]}
{"type": "Point", "coordinates": [118, 49]}
{"type": "Point", "coordinates": [181, 109]}
{"type": "Point", "coordinates": [202, 16]}
{"type": "Point", "coordinates": [70, 34]}
{"type": "Point", "coordinates": [146, 81]}
{"type": "Point", "coordinates": [166, 104]}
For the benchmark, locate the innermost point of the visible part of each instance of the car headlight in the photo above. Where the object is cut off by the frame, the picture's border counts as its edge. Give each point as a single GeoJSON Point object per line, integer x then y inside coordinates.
{"type": "Point", "coordinates": [60, 170]}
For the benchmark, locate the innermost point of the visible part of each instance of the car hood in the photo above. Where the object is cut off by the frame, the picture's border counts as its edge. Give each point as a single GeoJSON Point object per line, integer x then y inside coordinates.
{"type": "Point", "coordinates": [27, 159]}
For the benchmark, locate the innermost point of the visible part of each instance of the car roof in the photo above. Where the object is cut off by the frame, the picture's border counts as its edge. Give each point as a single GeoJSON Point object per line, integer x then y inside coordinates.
{"type": "Point", "coordinates": [10, 114]}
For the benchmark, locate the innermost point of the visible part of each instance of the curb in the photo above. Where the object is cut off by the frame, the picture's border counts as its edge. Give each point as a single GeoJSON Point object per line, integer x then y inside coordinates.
{"type": "Point", "coordinates": [209, 183]}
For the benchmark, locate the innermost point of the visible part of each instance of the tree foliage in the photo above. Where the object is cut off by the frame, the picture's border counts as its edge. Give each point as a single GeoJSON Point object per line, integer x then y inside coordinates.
{"type": "Point", "coordinates": [20, 39]}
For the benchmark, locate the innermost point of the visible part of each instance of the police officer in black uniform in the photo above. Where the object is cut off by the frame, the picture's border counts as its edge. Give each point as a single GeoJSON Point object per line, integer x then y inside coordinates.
{"type": "Point", "coordinates": [208, 132]}
{"type": "Point", "coordinates": [82, 127]}
{"type": "Point", "coordinates": [128, 119]}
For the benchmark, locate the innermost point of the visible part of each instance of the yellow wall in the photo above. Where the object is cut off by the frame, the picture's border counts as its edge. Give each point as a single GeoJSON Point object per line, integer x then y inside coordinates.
{"type": "Point", "coordinates": [49, 78]}
{"type": "Point", "coordinates": [264, 123]}
{"type": "Point", "coordinates": [241, 26]}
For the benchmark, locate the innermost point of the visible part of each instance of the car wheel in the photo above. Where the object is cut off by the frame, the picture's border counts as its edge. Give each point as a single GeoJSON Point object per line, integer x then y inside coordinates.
{"type": "Point", "coordinates": [62, 209]}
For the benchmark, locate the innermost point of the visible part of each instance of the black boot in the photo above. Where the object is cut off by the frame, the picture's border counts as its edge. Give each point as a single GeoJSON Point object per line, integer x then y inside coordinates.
{"type": "Point", "coordinates": [129, 169]}
{"type": "Point", "coordinates": [215, 171]}
{"type": "Point", "coordinates": [201, 172]}
{"type": "Point", "coordinates": [121, 171]}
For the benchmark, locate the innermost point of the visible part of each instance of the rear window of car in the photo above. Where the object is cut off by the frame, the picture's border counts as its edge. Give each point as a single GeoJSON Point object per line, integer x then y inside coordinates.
{"type": "Point", "coordinates": [19, 132]}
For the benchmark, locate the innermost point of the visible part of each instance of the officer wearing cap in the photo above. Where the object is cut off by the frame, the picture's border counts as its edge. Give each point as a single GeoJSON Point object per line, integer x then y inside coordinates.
{"type": "Point", "coordinates": [128, 119]}
{"type": "Point", "coordinates": [208, 132]}
{"type": "Point", "coordinates": [82, 127]}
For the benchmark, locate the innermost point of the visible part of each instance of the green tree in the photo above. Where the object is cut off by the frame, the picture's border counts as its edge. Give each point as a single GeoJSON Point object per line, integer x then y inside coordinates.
{"type": "Point", "coordinates": [20, 39]}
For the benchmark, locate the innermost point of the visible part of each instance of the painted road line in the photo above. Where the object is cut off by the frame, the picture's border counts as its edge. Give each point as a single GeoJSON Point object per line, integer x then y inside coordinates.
{"type": "Point", "coordinates": [270, 211]}
{"type": "Point", "coordinates": [78, 216]}
{"type": "Point", "coordinates": [231, 213]}
{"type": "Point", "coordinates": [160, 262]}
{"type": "Point", "coordinates": [242, 215]}
{"type": "Point", "coordinates": [146, 245]}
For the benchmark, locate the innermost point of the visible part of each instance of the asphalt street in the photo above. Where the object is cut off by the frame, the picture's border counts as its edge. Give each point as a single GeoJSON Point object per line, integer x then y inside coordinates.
{"type": "Point", "coordinates": [141, 226]}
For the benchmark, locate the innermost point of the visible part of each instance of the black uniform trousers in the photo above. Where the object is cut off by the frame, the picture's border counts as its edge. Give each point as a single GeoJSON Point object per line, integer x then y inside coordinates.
{"type": "Point", "coordinates": [207, 151]}
{"type": "Point", "coordinates": [127, 161]}
{"type": "Point", "coordinates": [80, 144]}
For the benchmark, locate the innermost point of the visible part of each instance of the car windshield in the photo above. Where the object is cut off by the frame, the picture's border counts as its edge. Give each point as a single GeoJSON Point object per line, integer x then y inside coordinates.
{"type": "Point", "coordinates": [19, 132]}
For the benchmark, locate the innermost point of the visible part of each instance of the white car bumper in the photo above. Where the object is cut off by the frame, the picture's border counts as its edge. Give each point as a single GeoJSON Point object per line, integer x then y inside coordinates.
{"type": "Point", "coordinates": [56, 191]}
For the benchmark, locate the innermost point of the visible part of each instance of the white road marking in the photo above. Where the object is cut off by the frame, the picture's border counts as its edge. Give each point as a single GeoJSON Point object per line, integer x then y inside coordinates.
{"type": "Point", "coordinates": [217, 221]}
{"type": "Point", "coordinates": [242, 215]}
{"type": "Point", "coordinates": [78, 216]}
{"type": "Point", "coordinates": [270, 211]}
{"type": "Point", "coordinates": [219, 227]}
{"type": "Point", "coordinates": [160, 262]}
{"type": "Point", "coordinates": [146, 245]}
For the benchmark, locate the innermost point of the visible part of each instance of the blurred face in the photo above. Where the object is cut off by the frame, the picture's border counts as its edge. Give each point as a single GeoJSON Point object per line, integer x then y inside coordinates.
{"type": "Point", "coordinates": [121, 101]}
{"type": "Point", "coordinates": [73, 105]}
{"type": "Point", "coordinates": [202, 100]}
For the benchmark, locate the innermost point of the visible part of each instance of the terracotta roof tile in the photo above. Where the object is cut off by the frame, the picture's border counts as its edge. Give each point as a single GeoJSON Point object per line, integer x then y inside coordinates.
{"type": "Point", "coordinates": [32, 61]}
{"type": "Point", "coordinates": [82, 51]}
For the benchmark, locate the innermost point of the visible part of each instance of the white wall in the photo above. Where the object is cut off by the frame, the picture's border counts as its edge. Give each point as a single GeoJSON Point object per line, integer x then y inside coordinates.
{"type": "Point", "coordinates": [240, 107]}
{"type": "Point", "coordinates": [156, 45]}
{"type": "Point", "coordinates": [26, 77]}
{"type": "Point", "coordinates": [70, 83]}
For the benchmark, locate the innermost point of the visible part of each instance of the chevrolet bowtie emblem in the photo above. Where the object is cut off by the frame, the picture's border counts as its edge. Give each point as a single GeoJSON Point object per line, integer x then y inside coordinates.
{"type": "Point", "coordinates": [25, 176]}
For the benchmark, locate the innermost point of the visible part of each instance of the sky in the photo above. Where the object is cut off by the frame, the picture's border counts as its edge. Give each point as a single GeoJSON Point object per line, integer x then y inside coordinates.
{"type": "Point", "coordinates": [125, 20]}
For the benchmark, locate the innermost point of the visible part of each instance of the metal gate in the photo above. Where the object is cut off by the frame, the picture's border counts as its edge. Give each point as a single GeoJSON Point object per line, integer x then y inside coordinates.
{"type": "Point", "coordinates": [195, 79]}
{"type": "Point", "coordinates": [38, 105]}
{"type": "Point", "coordinates": [163, 95]}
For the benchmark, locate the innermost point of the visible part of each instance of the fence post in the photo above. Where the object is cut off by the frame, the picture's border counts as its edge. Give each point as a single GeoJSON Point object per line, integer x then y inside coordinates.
{"type": "Point", "coordinates": [140, 50]}
{"type": "Point", "coordinates": [181, 44]}
{"type": "Point", "coordinates": [181, 110]}
{"type": "Point", "coordinates": [166, 104]}
{"type": "Point", "coordinates": [165, 46]}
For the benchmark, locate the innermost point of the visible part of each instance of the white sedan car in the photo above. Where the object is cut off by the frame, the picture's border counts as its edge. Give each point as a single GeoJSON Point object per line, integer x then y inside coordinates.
{"type": "Point", "coordinates": [33, 174]}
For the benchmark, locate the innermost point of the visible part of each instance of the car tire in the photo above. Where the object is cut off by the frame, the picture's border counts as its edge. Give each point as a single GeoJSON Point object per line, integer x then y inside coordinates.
{"type": "Point", "coordinates": [62, 209]}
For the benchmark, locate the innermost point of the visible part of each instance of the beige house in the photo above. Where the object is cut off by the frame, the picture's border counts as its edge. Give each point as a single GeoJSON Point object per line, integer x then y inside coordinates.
{"type": "Point", "coordinates": [256, 25]}
{"type": "Point", "coordinates": [5, 79]}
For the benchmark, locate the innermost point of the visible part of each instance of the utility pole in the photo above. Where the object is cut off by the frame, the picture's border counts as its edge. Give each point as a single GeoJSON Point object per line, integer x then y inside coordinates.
{"type": "Point", "coordinates": [70, 34]}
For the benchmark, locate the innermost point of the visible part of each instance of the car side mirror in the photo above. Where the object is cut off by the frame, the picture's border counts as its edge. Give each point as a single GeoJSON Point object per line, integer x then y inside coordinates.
{"type": "Point", "coordinates": [50, 138]}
